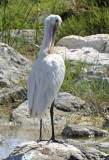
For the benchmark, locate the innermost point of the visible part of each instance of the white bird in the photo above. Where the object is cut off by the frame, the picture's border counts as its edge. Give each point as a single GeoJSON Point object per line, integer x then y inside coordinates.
{"type": "Point", "coordinates": [46, 76]}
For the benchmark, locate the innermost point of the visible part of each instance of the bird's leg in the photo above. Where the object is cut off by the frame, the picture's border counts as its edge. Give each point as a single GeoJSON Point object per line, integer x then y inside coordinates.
{"type": "Point", "coordinates": [52, 124]}
{"type": "Point", "coordinates": [40, 138]}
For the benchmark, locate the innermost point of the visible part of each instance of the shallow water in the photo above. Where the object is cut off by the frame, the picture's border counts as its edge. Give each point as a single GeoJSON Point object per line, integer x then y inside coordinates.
{"type": "Point", "coordinates": [15, 135]}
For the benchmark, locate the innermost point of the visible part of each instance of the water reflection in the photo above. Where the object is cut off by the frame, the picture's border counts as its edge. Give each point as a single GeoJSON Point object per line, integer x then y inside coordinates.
{"type": "Point", "coordinates": [15, 135]}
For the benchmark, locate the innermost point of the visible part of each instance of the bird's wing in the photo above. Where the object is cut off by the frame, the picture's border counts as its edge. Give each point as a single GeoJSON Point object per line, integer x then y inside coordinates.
{"type": "Point", "coordinates": [37, 88]}
{"type": "Point", "coordinates": [43, 84]}
{"type": "Point", "coordinates": [51, 78]}
{"type": "Point", "coordinates": [55, 77]}
{"type": "Point", "coordinates": [31, 84]}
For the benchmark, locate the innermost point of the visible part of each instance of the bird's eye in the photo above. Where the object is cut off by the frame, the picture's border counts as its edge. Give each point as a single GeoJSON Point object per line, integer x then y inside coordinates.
{"type": "Point", "coordinates": [56, 20]}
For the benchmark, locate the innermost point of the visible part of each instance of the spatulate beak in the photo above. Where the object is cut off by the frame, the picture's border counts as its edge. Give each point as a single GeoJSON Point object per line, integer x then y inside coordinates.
{"type": "Point", "coordinates": [51, 47]}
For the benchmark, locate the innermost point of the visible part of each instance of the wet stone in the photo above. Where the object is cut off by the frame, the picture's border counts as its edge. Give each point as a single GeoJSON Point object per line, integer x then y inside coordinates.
{"type": "Point", "coordinates": [83, 131]}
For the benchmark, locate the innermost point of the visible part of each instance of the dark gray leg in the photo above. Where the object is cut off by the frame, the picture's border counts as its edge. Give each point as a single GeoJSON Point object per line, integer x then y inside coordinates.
{"type": "Point", "coordinates": [40, 138]}
{"type": "Point", "coordinates": [52, 124]}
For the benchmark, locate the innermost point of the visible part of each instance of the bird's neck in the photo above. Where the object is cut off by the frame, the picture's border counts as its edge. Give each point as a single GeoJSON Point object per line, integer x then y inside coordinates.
{"type": "Point", "coordinates": [46, 40]}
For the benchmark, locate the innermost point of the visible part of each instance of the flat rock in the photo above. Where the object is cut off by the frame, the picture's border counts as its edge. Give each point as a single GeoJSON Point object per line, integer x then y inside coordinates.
{"type": "Point", "coordinates": [52, 151]}
{"type": "Point", "coordinates": [83, 131]}
{"type": "Point", "coordinates": [13, 66]}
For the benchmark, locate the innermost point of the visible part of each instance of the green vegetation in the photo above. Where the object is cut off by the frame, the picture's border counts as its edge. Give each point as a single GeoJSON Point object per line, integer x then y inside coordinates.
{"type": "Point", "coordinates": [83, 17]}
{"type": "Point", "coordinates": [95, 92]}
{"type": "Point", "coordinates": [86, 19]}
{"type": "Point", "coordinates": [11, 100]}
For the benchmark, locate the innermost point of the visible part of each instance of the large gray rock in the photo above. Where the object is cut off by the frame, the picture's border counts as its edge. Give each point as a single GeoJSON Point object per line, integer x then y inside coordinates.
{"type": "Point", "coordinates": [67, 102]}
{"type": "Point", "coordinates": [21, 115]}
{"type": "Point", "coordinates": [86, 55]}
{"type": "Point", "coordinates": [90, 49]}
{"type": "Point", "coordinates": [83, 131]}
{"type": "Point", "coordinates": [99, 42]}
{"type": "Point", "coordinates": [53, 151]}
{"type": "Point", "coordinates": [13, 66]}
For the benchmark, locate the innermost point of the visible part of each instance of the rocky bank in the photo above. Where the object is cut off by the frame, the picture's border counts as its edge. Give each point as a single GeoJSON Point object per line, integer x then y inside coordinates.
{"type": "Point", "coordinates": [52, 151]}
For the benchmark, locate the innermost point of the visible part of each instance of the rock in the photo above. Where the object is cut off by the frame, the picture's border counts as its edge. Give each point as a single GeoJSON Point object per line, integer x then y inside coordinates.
{"type": "Point", "coordinates": [86, 55]}
{"type": "Point", "coordinates": [21, 116]}
{"type": "Point", "coordinates": [64, 102]}
{"type": "Point", "coordinates": [90, 49]}
{"type": "Point", "coordinates": [82, 131]}
{"type": "Point", "coordinates": [102, 146]}
{"type": "Point", "coordinates": [106, 46]}
{"type": "Point", "coordinates": [107, 157]}
{"type": "Point", "coordinates": [90, 153]}
{"type": "Point", "coordinates": [27, 36]}
{"type": "Point", "coordinates": [1, 139]}
{"type": "Point", "coordinates": [106, 124]}
{"type": "Point", "coordinates": [82, 142]}
{"type": "Point", "coordinates": [67, 102]}
{"type": "Point", "coordinates": [13, 66]}
{"type": "Point", "coordinates": [97, 77]}
{"type": "Point", "coordinates": [98, 42]}
{"type": "Point", "coordinates": [12, 93]}
{"type": "Point", "coordinates": [52, 151]}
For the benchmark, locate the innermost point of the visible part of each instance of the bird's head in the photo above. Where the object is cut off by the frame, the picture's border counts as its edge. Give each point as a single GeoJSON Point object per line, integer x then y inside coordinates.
{"type": "Point", "coordinates": [52, 21]}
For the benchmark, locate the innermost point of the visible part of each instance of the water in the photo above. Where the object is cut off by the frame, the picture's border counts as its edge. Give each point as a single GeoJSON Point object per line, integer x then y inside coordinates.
{"type": "Point", "coordinates": [15, 135]}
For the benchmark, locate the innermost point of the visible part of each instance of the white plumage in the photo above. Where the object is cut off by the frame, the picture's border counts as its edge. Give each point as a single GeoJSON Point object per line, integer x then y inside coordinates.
{"type": "Point", "coordinates": [47, 73]}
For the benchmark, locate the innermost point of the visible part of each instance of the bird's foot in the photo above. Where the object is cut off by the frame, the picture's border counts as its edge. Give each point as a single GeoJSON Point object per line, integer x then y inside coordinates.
{"type": "Point", "coordinates": [53, 140]}
{"type": "Point", "coordinates": [40, 140]}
